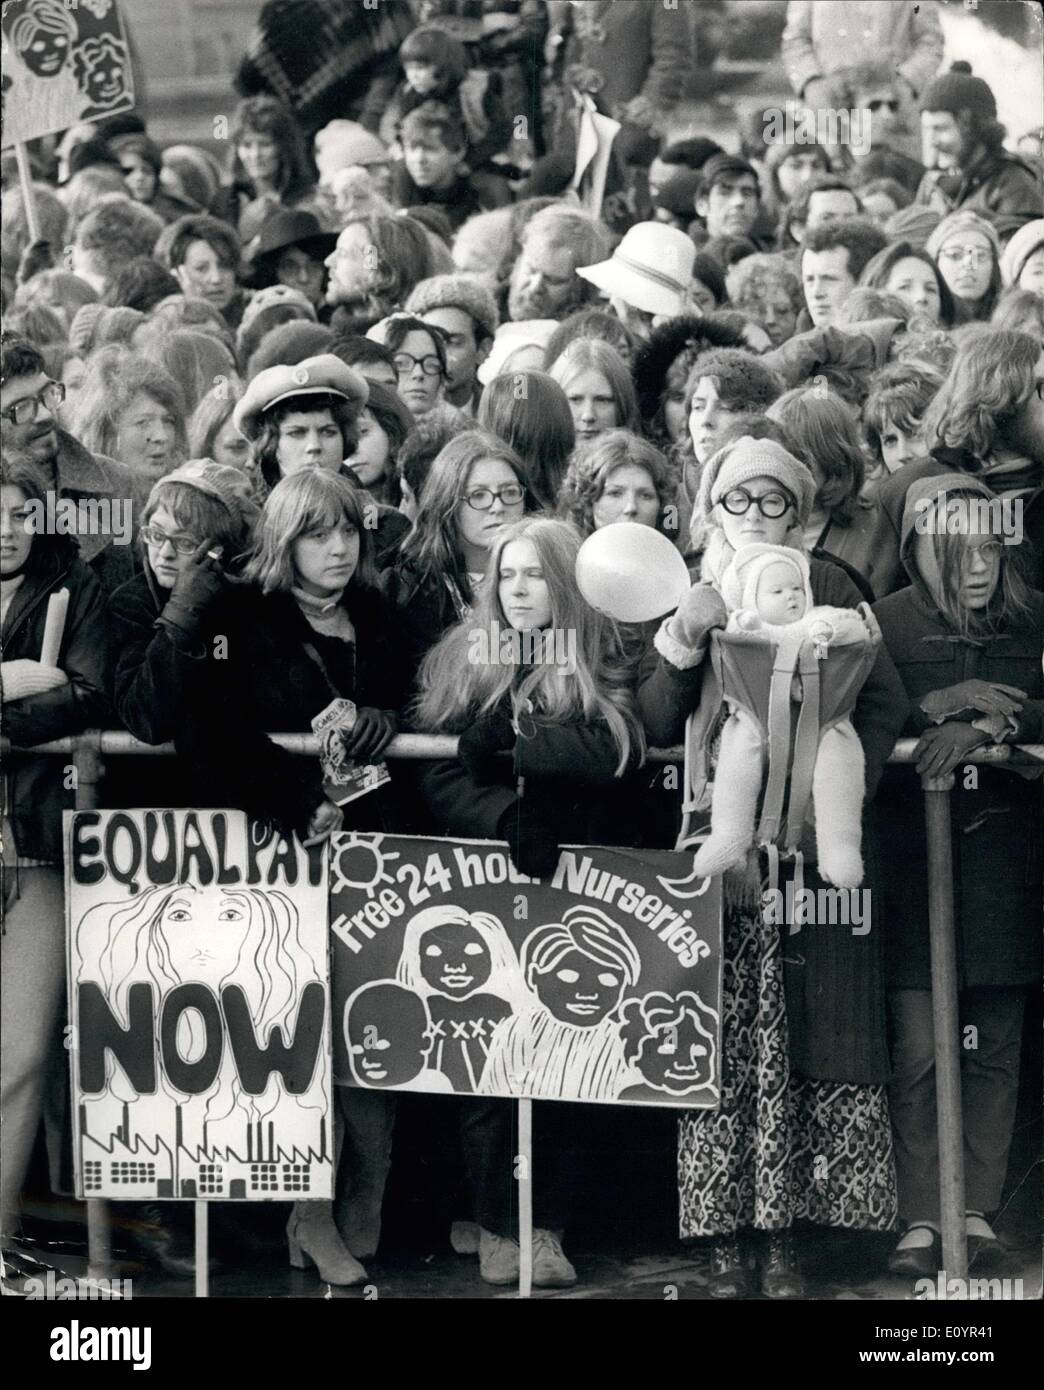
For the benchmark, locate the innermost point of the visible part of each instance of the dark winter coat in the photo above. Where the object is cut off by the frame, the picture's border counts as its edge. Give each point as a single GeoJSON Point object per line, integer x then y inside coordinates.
{"type": "Point", "coordinates": [89, 479]}
{"type": "Point", "coordinates": [459, 202]}
{"type": "Point", "coordinates": [570, 786]}
{"type": "Point", "coordinates": [269, 684]}
{"type": "Point", "coordinates": [1000, 187]}
{"type": "Point", "coordinates": [425, 608]}
{"type": "Point", "coordinates": [834, 979]}
{"type": "Point", "coordinates": [36, 790]}
{"type": "Point", "coordinates": [996, 813]}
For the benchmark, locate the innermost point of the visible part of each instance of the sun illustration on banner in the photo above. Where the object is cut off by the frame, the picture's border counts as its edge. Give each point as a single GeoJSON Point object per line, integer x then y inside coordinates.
{"type": "Point", "coordinates": [365, 860]}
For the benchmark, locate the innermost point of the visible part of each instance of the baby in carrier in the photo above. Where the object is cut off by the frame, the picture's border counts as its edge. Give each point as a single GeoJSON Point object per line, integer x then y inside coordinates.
{"type": "Point", "coordinates": [770, 657]}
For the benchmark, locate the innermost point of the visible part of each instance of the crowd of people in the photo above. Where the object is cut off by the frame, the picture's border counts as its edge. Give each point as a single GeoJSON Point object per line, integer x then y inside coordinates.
{"type": "Point", "coordinates": [327, 407]}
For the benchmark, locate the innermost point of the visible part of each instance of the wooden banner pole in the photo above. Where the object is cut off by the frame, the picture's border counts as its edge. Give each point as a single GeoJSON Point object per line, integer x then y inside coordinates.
{"type": "Point", "coordinates": [525, 1198]}
{"type": "Point", "coordinates": [202, 1253]}
{"type": "Point", "coordinates": [25, 177]}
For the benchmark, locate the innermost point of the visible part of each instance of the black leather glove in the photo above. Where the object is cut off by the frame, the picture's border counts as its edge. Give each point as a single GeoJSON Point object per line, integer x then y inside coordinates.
{"type": "Point", "coordinates": [532, 842]}
{"type": "Point", "coordinates": [196, 586]}
{"type": "Point", "coordinates": [479, 745]}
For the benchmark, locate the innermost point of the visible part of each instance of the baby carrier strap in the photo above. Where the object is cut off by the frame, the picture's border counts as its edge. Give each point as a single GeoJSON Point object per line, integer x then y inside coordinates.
{"type": "Point", "coordinates": [699, 734]}
{"type": "Point", "coordinates": [784, 669]}
{"type": "Point", "coordinates": [806, 745]}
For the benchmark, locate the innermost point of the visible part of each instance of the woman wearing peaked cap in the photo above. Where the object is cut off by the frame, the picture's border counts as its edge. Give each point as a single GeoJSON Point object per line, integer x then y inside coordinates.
{"type": "Point", "coordinates": [306, 416]}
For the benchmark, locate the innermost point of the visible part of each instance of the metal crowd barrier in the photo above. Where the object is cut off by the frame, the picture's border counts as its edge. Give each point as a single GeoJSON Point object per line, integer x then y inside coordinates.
{"type": "Point", "coordinates": [88, 751]}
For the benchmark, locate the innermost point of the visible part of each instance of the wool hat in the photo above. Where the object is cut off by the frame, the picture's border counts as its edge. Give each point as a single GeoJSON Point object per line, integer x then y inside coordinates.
{"type": "Point", "coordinates": [340, 144]}
{"type": "Point", "coordinates": [192, 173]}
{"type": "Point", "coordinates": [957, 90]}
{"type": "Point", "coordinates": [232, 487]}
{"type": "Point", "coordinates": [324, 375]}
{"type": "Point", "coordinates": [914, 224]}
{"type": "Point", "coordinates": [748, 458]}
{"type": "Point", "coordinates": [455, 292]}
{"type": "Point", "coordinates": [272, 297]}
{"type": "Point", "coordinates": [1029, 238]}
{"type": "Point", "coordinates": [651, 269]}
{"type": "Point", "coordinates": [509, 338]}
{"type": "Point", "coordinates": [739, 583]}
{"type": "Point", "coordinates": [678, 194]}
{"type": "Point", "coordinates": [963, 220]}
{"type": "Point", "coordinates": [94, 325]}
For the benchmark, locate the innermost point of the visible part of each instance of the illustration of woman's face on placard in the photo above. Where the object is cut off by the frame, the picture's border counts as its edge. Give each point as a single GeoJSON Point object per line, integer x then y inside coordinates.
{"type": "Point", "coordinates": [43, 42]}
{"type": "Point", "coordinates": [454, 959]}
{"type": "Point", "coordinates": [204, 933]}
{"type": "Point", "coordinates": [578, 990]}
{"type": "Point", "coordinates": [386, 1030]}
{"type": "Point", "coordinates": [678, 1057]}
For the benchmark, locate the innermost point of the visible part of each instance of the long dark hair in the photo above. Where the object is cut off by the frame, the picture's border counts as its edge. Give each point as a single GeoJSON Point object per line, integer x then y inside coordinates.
{"type": "Point", "coordinates": [264, 115]}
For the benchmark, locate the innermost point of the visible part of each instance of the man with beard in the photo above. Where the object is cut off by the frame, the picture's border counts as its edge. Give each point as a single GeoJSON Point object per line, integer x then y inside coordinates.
{"type": "Point", "coordinates": [963, 150]}
{"type": "Point", "coordinates": [101, 488]}
{"type": "Point", "coordinates": [544, 283]}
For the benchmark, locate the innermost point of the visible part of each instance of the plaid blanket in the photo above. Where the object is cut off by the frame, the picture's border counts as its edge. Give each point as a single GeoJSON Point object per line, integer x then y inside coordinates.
{"type": "Point", "coordinates": [321, 57]}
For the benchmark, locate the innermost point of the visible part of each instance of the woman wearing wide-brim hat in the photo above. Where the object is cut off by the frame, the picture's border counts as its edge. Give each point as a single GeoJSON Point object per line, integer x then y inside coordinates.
{"type": "Point", "coordinates": [291, 249]}
{"type": "Point", "coordinates": [305, 416]}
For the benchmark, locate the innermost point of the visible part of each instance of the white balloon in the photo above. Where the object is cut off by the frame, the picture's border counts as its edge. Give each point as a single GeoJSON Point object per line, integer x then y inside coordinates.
{"type": "Point", "coordinates": [631, 572]}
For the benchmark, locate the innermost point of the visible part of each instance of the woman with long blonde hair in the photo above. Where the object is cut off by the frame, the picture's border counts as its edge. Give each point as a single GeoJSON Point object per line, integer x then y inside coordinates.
{"type": "Point", "coordinates": [526, 683]}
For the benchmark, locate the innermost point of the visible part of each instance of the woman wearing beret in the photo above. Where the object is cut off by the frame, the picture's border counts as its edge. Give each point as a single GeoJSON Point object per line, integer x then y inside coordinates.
{"type": "Point", "coordinates": [306, 416]}
{"type": "Point", "coordinates": [803, 1130]}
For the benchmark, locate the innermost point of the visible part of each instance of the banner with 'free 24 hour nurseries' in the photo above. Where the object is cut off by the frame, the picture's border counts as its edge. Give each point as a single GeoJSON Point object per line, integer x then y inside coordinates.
{"type": "Point", "coordinates": [455, 974]}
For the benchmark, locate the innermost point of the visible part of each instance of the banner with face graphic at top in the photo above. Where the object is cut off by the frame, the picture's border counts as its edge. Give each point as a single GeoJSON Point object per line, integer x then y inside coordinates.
{"type": "Point", "coordinates": [63, 64]}
{"type": "Point", "coordinates": [455, 973]}
{"type": "Point", "coordinates": [199, 1006]}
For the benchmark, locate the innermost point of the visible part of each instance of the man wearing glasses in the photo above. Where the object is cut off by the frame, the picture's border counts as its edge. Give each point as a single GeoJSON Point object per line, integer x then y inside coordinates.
{"type": "Point", "coordinates": [101, 488]}
{"type": "Point", "coordinates": [966, 163]}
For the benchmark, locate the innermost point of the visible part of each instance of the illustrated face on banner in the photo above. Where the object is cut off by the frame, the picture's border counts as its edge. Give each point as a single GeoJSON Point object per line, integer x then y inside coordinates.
{"type": "Point", "coordinates": [210, 954]}
{"type": "Point", "coordinates": [678, 1057]}
{"type": "Point", "coordinates": [454, 959]}
{"type": "Point", "coordinates": [43, 37]}
{"type": "Point", "coordinates": [100, 67]}
{"type": "Point", "coordinates": [579, 990]}
{"type": "Point", "coordinates": [386, 1028]}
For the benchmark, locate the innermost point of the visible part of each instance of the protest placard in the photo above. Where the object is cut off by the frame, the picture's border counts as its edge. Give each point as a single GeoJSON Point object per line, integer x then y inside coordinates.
{"type": "Point", "coordinates": [200, 1007]}
{"type": "Point", "coordinates": [454, 973]}
{"type": "Point", "coordinates": [63, 64]}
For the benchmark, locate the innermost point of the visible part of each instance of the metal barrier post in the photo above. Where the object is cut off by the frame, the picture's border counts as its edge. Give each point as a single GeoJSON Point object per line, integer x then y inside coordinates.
{"type": "Point", "coordinates": [946, 1023]}
{"type": "Point", "coordinates": [89, 768]}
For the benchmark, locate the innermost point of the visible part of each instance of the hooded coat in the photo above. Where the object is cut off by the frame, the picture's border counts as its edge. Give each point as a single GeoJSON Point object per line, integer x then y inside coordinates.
{"type": "Point", "coordinates": [996, 813]}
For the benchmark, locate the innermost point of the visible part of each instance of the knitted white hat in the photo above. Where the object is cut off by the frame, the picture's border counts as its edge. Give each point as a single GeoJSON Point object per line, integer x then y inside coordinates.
{"type": "Point", "coordinates": [739, 583]}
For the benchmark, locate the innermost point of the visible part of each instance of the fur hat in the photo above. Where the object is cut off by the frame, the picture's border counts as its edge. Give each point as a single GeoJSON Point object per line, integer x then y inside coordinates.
{"type": "Point", "coordinates": [739, 583]}
{"type": "Point", "coordinates": [746, 458]}
{"type": "Point", "coordinates": [1029, 238]}
{"type": "Point", "coordinates": [957, 90]}
{"type": "Point", "coordinates": [232, 487]}
{"type": "Point", "coordinates": [665, 345]}
{"type": "Point", "coordinates": [456, 292]}
{"type": "Point", "coordinates": [963, 220]}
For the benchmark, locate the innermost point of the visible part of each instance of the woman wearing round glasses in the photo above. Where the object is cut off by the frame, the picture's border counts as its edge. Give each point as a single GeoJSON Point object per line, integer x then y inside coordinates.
{"type": "Point", "coordinates": [419, 354]}
{"type": "Point", "coordinates": [808, 1061]}
{"type": "Point", "coordinates": [476, 485]}
{"type": "Point", "coordinates": [966, 249]}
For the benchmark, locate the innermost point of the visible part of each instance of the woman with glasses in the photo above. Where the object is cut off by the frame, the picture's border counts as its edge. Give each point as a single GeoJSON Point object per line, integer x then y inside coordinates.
{"type": "Point", "coordinates": [418, 351]}
{"type": "Point", "coordinates": [803, 1131]}
{"type": "Point", "coordinates": [476, 485]}
{"type": "Point", "coordinates": [966, 250]}
{"type": "Point", "coordinates": [966, 638]}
